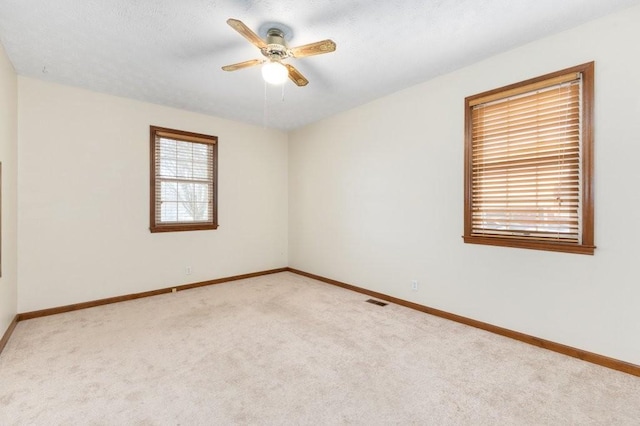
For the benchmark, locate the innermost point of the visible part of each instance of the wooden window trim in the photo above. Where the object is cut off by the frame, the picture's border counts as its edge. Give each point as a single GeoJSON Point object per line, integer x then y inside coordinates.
{"type": "Point", "coordinates": [188, 137]}
{"type": "Point", "coordinates": [0, 226]}
{"type": "Point", "coordinates": [587, 165]}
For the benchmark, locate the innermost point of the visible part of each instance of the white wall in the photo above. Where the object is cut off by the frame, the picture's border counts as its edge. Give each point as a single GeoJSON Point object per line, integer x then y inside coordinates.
{"type": "Point", "coordinates": [376, 200]}
{"type": "Point", "coordinates": [84, 199]}
{"type": "Point", "coordinates": [9, 159]}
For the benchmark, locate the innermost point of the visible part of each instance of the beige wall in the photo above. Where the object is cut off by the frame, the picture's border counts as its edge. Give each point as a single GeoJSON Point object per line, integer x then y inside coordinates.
{"type": "Point", "coordinates": [8, 157]}
{"type": "Point", "coordinates": [84, 199]}
{"type": "Point", "coordinates": [376, 200]}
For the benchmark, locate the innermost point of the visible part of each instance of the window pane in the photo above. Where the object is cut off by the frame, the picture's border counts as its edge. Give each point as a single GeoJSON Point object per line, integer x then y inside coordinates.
{"type": "Point", "coordinates": [169, 212]}
{"type": "Point", "coordinates": [185, 169]}
{"type": "Point", "coordinates": [200, 171]}
{"type": "Point", "coordinates": [200, 152]}
{"type": "Point", "coordinates": [168, 167]}
{"type": "Point", "coordinates": [201, 192]}
{"type": "Point", "coordinates": [186, 191]}
{"type": "Point", "coordinates": [169, 191]}
{"type": "Point", "coordinates": [201, 211]}
{"type": "Point", "coordinates": [194, 201]}
{"type": "Point", "coordinates": [184, 151]}
{"type": "Point", "coordinates": [185, 212]}
{"type": "Point", "coordinates": [167, 148]}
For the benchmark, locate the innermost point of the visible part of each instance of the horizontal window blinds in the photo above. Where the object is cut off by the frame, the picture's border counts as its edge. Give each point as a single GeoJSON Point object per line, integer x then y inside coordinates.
{"type": "Point", "coordinates": [184, 180]}
{"type": "Point", "coordinates": [525, 165]}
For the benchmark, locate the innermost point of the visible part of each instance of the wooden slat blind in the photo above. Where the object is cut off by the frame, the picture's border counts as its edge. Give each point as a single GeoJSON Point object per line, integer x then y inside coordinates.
{"type": "Point", "coordinates": [525, 163]}
{"type": "Point", "coordinates": [184, 193]}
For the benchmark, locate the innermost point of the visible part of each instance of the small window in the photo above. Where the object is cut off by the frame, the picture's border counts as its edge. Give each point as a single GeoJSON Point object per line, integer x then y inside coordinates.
{"type": "Point", "coordinates": [529, 164]}
{"type": "Point", "coordinates": [183, 180]}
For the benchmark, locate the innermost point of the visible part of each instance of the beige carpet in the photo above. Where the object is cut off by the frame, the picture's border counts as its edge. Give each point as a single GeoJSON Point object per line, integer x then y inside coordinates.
{"type": "Point", "coordinates": [284, 349]}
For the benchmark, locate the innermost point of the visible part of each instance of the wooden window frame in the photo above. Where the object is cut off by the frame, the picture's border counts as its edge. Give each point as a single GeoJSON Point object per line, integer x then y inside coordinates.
{"type": "Point", "coordinates": [586, 245]}
{"type": "Point", "coordinates": [181, 135]}
{"type": "Point", "coordinates": [1, 219]}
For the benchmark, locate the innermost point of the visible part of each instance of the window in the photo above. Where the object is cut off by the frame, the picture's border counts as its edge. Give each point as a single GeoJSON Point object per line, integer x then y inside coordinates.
{"type": "Point", "coordinates": [183, 181]}
{"type": "Point", "coordinates": [529, 164]}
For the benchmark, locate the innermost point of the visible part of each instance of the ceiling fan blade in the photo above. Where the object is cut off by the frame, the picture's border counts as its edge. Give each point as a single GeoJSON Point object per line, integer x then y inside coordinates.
{"type": "Point", "coordinates": [246, 33]}
{"type": "Point", "coordinates": [241, 65]}
{"type": "Point", "coordinates": [296, 77]}
{"type": "Point", "coordinates": [317, 48]}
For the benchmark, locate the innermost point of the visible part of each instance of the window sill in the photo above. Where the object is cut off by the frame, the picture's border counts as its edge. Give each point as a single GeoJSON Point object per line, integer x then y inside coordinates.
{"type": "Point", "coordinates": [183, 227]}
{"type": "Point", "coordinates": [534, 245]}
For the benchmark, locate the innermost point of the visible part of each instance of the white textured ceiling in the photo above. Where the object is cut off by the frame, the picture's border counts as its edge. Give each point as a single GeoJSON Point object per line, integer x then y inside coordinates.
{"type": "Point", "coordinates": [170, 51]}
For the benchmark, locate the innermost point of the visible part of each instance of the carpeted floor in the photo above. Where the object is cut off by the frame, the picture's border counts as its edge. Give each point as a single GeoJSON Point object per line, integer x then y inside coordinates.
{"type": "Point", "coordinates": [284, 349]}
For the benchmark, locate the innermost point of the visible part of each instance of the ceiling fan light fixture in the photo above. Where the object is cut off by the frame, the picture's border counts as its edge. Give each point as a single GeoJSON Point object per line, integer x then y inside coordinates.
{"type": "Point", "coordinates": [274, 72]}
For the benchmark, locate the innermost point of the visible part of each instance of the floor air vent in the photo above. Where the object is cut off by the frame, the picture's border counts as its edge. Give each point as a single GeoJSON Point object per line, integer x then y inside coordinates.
{"type": "Point", "coordinates": [377, 302]}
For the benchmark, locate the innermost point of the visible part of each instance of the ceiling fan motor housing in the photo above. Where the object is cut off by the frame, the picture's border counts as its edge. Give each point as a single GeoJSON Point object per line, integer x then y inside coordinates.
{"type": "Point", "coordinates": [276, 48]}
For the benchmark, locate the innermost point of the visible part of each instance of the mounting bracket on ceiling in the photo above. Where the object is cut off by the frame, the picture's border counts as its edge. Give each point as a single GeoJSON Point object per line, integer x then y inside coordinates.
{"type": "Point", "coordinates": [287, 32]}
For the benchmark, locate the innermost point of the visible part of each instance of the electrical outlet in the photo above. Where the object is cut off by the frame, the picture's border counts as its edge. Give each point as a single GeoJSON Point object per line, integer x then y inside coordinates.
{"type": "Point", "coordinates": [187, 270]}
{"type": "Point", "coordinates": [414, 285]}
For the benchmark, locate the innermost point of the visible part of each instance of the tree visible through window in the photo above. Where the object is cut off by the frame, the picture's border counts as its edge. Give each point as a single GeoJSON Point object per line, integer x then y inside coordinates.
{"type": "Point", "coordinates": [183, 180]}
{"type": "Point", "coordinates": [529, 164]}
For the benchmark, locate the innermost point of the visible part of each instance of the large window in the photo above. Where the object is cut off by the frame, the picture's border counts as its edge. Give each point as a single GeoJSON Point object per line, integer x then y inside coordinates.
{"type": "Point", "coordinates": [183, 180]}
{"type": "Point", "coordinates": [529, 164]}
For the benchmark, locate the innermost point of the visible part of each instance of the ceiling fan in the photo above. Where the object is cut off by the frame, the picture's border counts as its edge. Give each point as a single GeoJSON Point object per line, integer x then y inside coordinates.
{"type": "Point", "coordinates": [275, 50]}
